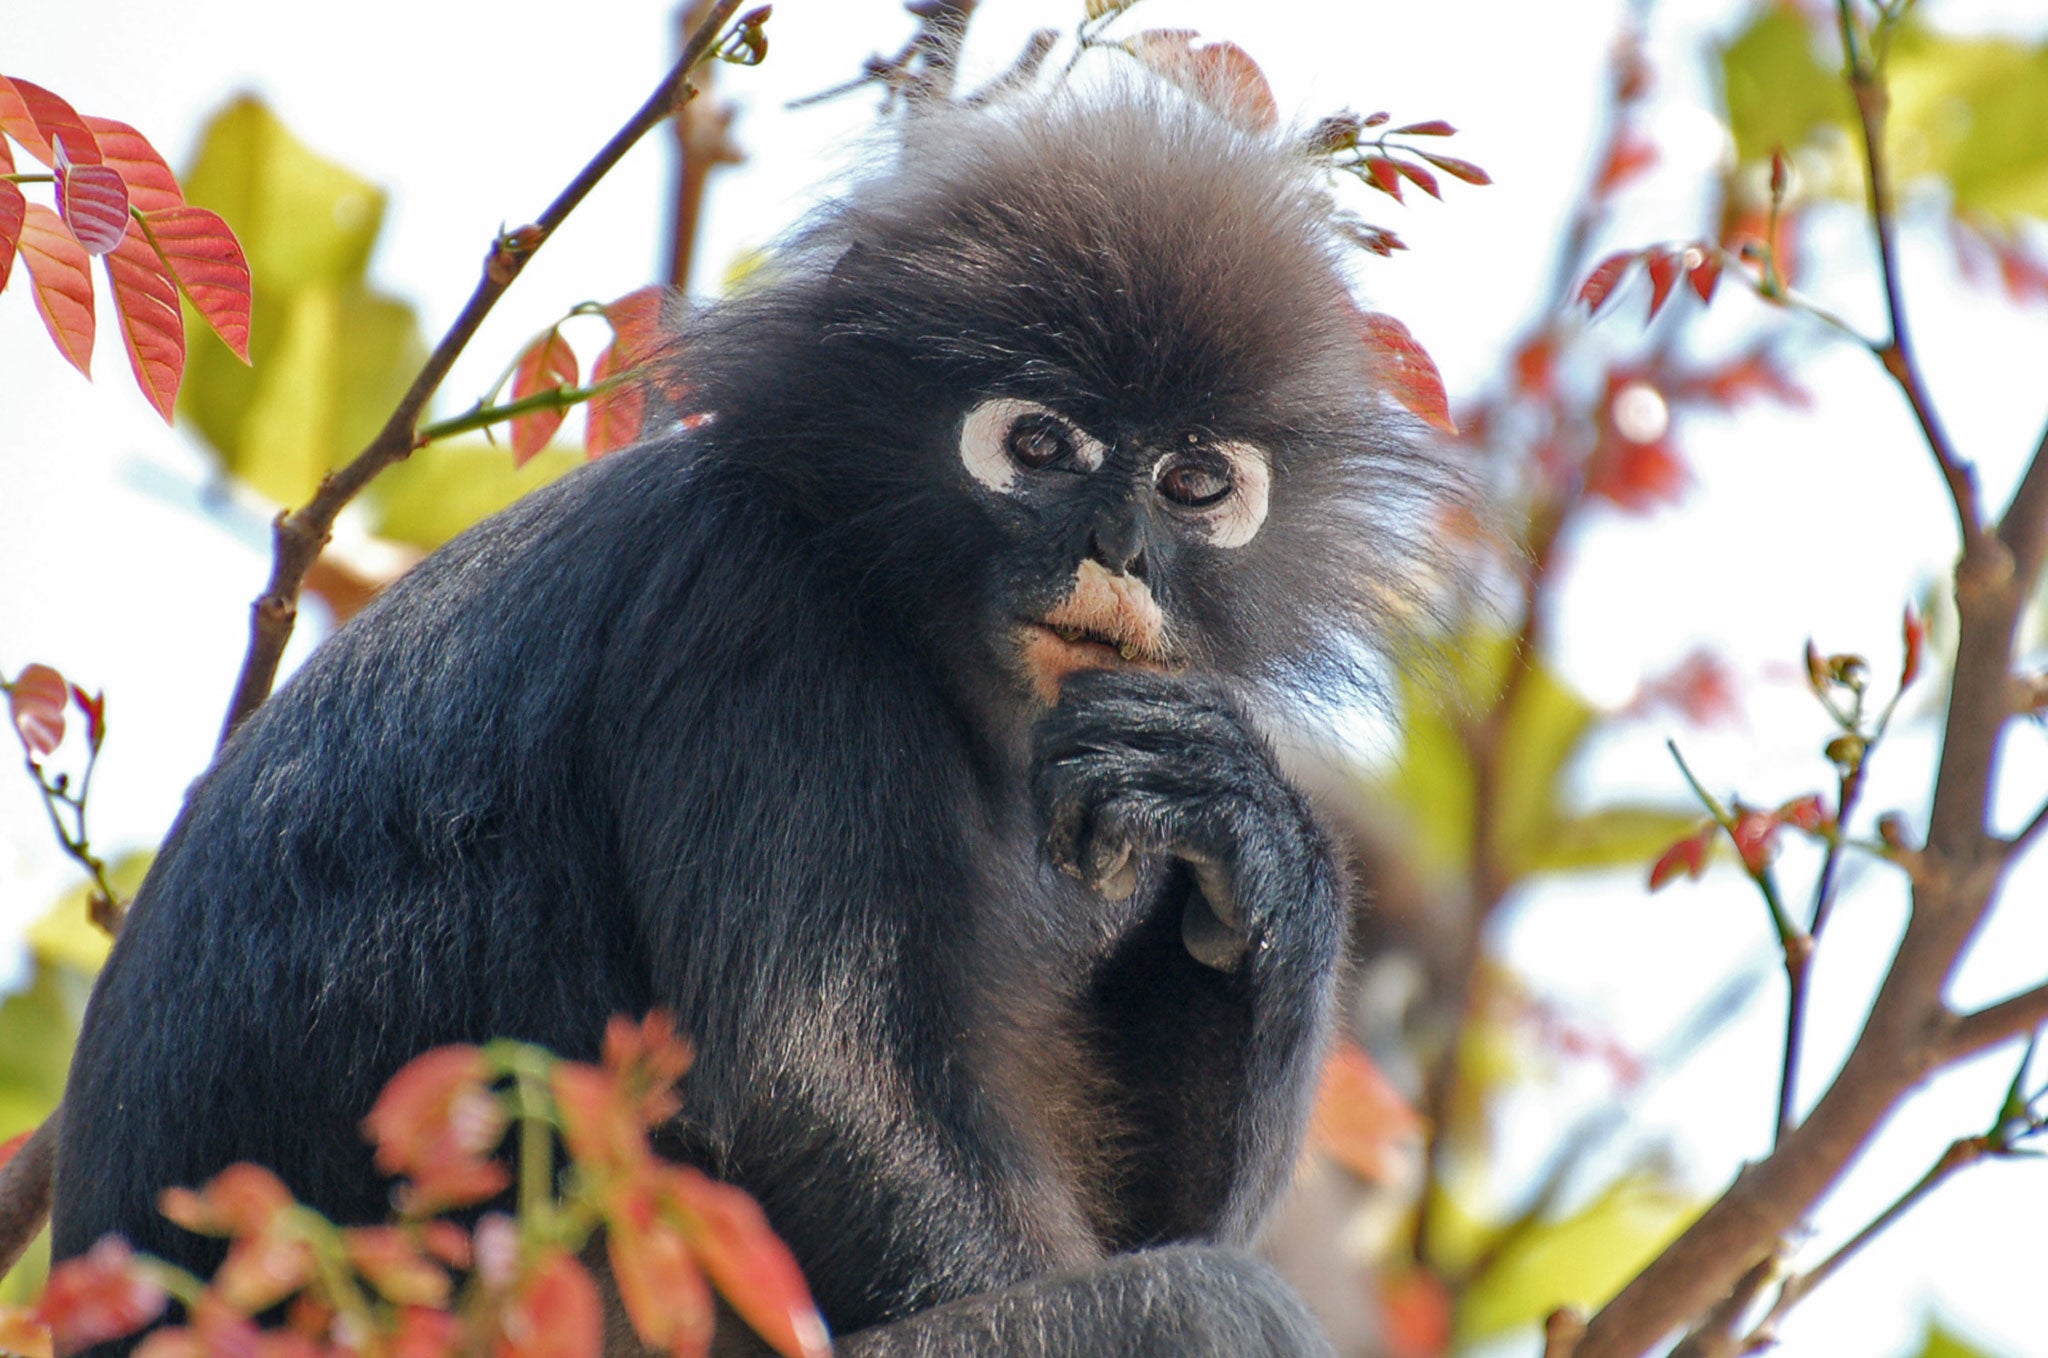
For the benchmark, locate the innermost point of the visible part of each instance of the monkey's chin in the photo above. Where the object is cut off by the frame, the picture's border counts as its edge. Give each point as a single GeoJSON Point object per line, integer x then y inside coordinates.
{"type": "Point", "coordinates": [1049, 657]}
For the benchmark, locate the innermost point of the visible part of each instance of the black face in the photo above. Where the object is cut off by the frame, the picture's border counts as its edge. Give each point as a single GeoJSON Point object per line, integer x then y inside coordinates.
{"type": "Point", "coordinates": [1103, 536]}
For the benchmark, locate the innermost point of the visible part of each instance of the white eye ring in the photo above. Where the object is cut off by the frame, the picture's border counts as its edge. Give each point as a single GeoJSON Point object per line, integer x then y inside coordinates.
{"type": "Point", "coordinates": [984, 439]}
{"type": "Point", "coordinates": [1237, 517]}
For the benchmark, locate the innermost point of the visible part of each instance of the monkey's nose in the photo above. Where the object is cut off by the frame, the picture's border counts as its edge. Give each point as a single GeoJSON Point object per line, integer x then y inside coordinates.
{"type": "Point", "coordinates": [1118, 547]}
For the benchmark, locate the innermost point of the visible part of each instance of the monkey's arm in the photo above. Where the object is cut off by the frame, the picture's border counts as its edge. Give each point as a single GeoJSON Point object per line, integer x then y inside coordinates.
{"type": "Point", "coordinates": [1212, 1012]}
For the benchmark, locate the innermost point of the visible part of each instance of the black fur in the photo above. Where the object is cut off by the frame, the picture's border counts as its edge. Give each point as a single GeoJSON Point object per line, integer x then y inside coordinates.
{"type": "Point", "coordinates": [733, 724]}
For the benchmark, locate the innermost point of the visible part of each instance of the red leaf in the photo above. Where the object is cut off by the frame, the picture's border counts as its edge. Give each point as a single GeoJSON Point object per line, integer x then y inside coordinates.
{"type": "Point", "coordinates": [556, 1313]}
{"type": "Point", "coordinates": [614, 417]}
{"type": "Point", "coordinates": [1435, 127]}
{"type": "Point", "coordinates": [35, 703]}
{"type": "Point", "coordinates": [1663, 266]}
{"type": "Point", "coordinates": [152, 327]}
{"type": "Point", "coordinates": [1407, 369]}
{"type": "Point", "coordinates": [1915, 629]}
{"type": "Point", "coordinates": [1636, 476]}
{"type": "Point", "coordinates": [1384, 176]}
{"type": "Point", "coordinates": [1418, 1313]}
{"type": "Point", "coordinates": [1220, 74]}
{"type": "Point", "coordinates": [1627, 157]}
{"type": "Point", "coordinates": [1688, 855]}
{"type": "Point", "coordinates": [97, 1296]}
{"type": "Point", "coordinates": [753, 1270]}
{"type": "Point", "coordinates": [62, 273]}
{"type": "Point", "coordinates": [1419, 177]}
{"type": "Point", "coordinates": [6, 156]}
{"type": "Point", "coordinates": [435, 1122]}
{"type": "Point", "coordinates": [1600, 283]}
{"type": "Point", "coordinates": [151, 185]}
{"type": "Point", "coordinates": [13, 1146]}
{"type": "Point", "coordinates": [1705, 275]}
{"type": "Point", "coordinates": [547, 365]}
{"type": "Point", "coordinates": [242, 1200]}
{"type": "Point", "coordinates": [36, 118]}
{"type": "Point", "coordinates": [1361, 1119]}
{"type": "Point", "coordinates": [93, 202]}
{"type": "Point", "coordinates": [1235, 85]}
{"type": "Point", "coordinates": [13, 211]}
{"type": "Point", "coordinates": [95, 709]}
{"type": "Point", "coordinates": [393, 1264]}
{"type": "Point", "coordinates": [208, 263]}
{"type": "Point", "coordinates": [1756, 838]}
{"type": "Point", "coordinates": [1803, 813]}
{"type": "Point", "coordinates": [1456, 168]}
{"type": "Point", "coordinates": [664, 1291]}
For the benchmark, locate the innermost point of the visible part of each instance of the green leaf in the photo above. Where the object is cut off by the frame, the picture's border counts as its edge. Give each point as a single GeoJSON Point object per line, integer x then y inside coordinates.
{"type": "Point", "coordinates": [301, 218]}
{"type": "Point", "coordinates": [1942, 1342]}
{"type": "Point", "coordinates": [445, 487]}
{"type": "Point", "coordinates": [1972, 112]}
{"type": "Point", "coordinates": [1612, 837]}
{"type": "Point", "coordinates": [38, 1025]}
{"type": "Point", "coordinates": [1433, 784]}
{"type": "Point", "coordinates": [329, 362]}
{"type": "Point", "coordinates": [1777, 91]}
{"type": "Point", "coordinates": [329, 355]}
{"type": "Point", "coordinates": [66, 936]}
{"type": "Point", "coordinates": [1580, 1261]}
{"type": "Point", "coordinates": [1969, 112]}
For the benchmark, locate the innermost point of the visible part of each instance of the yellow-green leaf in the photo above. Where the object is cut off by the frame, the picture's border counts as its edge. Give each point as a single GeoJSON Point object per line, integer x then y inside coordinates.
{"type": "Point", "coordinates": [1580, 1261]}
{"type": "Point", "coordinates": [1777, 90]}
{"type": "Point", "coordinates": [445, 487]}
{"type": "Point", "coordinates": [301, 218]}
{"type": "Point", "coordinates": [1612, 837]}
{"type": "Point", "coordinates": [1942, 1342]}
{"type": "Point", "coordinates": [66, 936]}
{"type": "Point", "coordinates": [340, 358]}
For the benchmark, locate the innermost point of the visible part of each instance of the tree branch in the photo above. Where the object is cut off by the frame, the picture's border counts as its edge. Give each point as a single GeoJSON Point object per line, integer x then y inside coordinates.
{"type": "Point", "coordinates": [299, 536]}
{"type": "Point", "coordinates": [25, 1184]}
{"type": "Point", "coordinates": [2018, 1016]}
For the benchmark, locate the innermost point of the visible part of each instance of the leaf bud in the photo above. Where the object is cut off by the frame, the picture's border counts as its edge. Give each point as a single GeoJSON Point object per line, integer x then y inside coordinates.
{"type": "Point", "coordinates": [1915, 630]}
{"type": "Point", "coordinates": [1780, 174]}
{"type": "Point", "coordinates": [1846, 751]}
{"type": "Point", "coordinates": [1338, 132]}
{"type": "Point", "coordinates": [1816, 673]}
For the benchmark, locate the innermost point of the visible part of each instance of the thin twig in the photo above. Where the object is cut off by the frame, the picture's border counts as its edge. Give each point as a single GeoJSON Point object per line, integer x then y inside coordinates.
{"type": "Point", "coordinates": [1873, 102]}
{"type": "Point", "coordinates": [300, 534]}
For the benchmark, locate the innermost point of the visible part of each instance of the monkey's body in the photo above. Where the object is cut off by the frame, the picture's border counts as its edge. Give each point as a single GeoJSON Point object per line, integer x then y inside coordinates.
{"type": "Point", "coordinates": [755, 725]}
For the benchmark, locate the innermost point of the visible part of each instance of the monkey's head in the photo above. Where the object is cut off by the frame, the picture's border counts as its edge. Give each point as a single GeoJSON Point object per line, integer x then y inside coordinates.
{"type": "Point", "coordinates": [1080, 383]}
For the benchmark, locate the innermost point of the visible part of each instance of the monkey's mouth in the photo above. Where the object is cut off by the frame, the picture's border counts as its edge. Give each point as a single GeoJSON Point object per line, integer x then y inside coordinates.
{"type": "Point", "coordinates": [1052, 651]}
{"type": "Point", "coordinates": [1090, 642]}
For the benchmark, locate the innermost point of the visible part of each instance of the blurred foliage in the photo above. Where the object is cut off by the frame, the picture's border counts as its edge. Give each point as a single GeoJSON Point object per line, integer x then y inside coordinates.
{"type": "Point", "coordinates": [39, 1027]}
{"type": "Point", "coordinates": [1544, 730]}
{"type": "Point", "coordinates": [445, 487]}
{"type": "Point", "coordinates": [1970, 112]}
{"type": "Point", "coordinates": [329, 355]}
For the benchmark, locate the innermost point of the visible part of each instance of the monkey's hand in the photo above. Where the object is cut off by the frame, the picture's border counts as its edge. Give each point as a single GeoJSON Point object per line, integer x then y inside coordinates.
{"type": "Point", "coordinates": [1132, 763]}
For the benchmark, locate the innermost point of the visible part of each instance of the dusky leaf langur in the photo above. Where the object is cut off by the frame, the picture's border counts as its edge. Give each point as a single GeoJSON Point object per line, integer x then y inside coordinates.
{"type": "Point", "coordinates": [892, 727]}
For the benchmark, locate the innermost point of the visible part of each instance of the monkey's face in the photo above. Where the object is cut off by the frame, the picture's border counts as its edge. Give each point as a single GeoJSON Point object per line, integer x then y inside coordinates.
{"type": "Point", "coordinates": [1107, 531]}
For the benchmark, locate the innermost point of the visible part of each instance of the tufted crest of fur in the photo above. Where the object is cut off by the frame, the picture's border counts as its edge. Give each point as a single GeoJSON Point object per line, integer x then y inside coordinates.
{"type": "Point", "coordinates": [1133, 258]}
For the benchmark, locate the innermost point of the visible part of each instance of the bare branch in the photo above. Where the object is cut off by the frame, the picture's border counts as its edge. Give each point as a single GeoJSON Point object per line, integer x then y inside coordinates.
{"type": "Point", "coordinates": [2018, 1016]}
{"type": "Point", "coordinates": [25, 1184]}
{"type": "Point", "coordinates": [1873, 102]}
{"type": "Point", "coordinates": [2024, 529]}
{"type": "Point", "coordinates": [299, 535]}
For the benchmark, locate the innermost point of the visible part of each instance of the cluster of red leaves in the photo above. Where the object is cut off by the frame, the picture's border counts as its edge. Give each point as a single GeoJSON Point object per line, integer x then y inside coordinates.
{"type": "Point", "coordinates": [117, 200]}
{"type": "Point", "coordinates": [1699, 687]}
{"type": "Point", "coordinates": [627, 373]}
{"type": "Point", "coordinates": [36, 702]}
{"type": "Point", "coordinates": [391, 1291]}
{"type": "Point", "coordinates": [1753, 832]}
{"type": "Point", "coordinates": [1699, 261]}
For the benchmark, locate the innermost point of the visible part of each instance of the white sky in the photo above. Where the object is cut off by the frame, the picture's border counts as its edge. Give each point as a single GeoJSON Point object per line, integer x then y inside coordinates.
{"type": "Point", "coordinates": [112, 568]}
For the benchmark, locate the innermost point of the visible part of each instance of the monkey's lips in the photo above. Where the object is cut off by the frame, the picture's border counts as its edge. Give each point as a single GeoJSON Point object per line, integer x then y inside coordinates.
{"type": "Point", "coordinates": [1053, 651]}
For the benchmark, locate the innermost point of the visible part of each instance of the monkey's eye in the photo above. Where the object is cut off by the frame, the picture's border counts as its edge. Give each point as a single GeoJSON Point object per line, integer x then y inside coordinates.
{"type": "Point", "coordinates": [1002, 438]}
{"type": "Point", "coordinates": [1194, 480]}
{"type": "Point", "coordinates": [1038, 441]}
